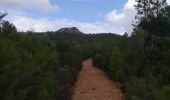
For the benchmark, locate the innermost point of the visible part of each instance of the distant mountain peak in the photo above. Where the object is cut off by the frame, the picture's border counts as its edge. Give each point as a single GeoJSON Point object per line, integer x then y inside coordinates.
{"type": "Point", "coordinates": [69, 30]}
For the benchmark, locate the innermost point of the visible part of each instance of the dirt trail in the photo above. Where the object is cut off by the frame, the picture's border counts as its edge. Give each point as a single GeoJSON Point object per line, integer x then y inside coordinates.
{"type": "Point", "coordinates": [93, 84]}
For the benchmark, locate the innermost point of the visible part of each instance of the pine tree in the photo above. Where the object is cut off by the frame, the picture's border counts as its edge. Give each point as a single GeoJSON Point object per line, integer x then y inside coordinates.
{"type": "Point", "coordinates": [2, 15]}
{"type": "Point", "coordinates": [158, 6]}
{"type": "Point", "coordinates": [143, 8]}
{"type": "Point", "coordinates": [149, 8]}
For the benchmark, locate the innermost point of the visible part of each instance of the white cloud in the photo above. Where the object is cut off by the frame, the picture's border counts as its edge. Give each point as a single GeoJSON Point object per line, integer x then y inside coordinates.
{"type": "Point", "coordinates": [20, 4]}
{"type": "Point", "coordinates": [115, 22]}
{"type": "Point", "coordinates": [168, 1]}
{"type": "Point", "coordinates": [43, 24]}
{"type": "Point", "coordinates": [114, 17]}
{"type": "Point", "coordinates": [129, 4]}
{"type": "Point", "coordinates": [123, 20]}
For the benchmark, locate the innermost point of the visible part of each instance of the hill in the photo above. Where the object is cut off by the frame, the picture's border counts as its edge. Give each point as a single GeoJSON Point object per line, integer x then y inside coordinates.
{"type": "Point", "coordinates": [69, 30]}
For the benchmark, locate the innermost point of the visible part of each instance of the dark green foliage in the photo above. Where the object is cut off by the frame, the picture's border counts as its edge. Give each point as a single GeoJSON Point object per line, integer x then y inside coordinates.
{"type": "Point", "coordinates": [153, 17]}
{"type": "Point", "coordinates": [2, 15]}
{"type": "Point", "coordinates": [141, 62]}
{"type": "Point", "coordinates": [33, 67]}
{"type": "Point", "coordinates": [8, 28]}
{"type": "Point", "coordinates": [70, 47]}
{"type": "Point", "coordinates": [5, 26]}
{"type": "Point", "coordinates": [37, 66]}
{"type": "Point", "coordinates": [116, 64]}
{"type": "Point", "coordinates": [149, 8]}
{"type": "Point", "coordinates": [25, 72]}
{"type": "Point", "coordinates": [164, 93]}
{"type": "Point", "coordinates": [158, 26]}
{"type": "Point", "coordinates": [101, 61]}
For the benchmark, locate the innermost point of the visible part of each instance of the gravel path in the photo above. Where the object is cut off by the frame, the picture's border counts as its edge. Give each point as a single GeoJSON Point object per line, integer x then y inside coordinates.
{"type": "Point", "coordinates": [93, 84]}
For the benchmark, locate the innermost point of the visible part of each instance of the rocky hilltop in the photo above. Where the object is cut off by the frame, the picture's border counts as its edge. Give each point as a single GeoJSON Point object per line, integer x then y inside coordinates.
{"type": "Point", "coordinates": [69, 30]}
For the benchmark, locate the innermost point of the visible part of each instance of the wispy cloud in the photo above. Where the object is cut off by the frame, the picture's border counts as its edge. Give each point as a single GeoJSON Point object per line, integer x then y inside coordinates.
{"type": "Point", "coordinates": [115, 22]}
{"type": "Point", "coordinates": [44, 5]}
{"type": "Point", "coordinates": [43, 24]}
{"type": "Point", "coordinates": [123, 19]}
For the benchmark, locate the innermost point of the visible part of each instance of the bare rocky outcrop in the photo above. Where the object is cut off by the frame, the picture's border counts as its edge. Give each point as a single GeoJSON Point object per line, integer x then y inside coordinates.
{"type": "Point", "coordinates": [69, 30]}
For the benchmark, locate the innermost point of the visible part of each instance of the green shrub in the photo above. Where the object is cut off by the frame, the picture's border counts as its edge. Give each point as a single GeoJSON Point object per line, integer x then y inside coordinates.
{"type": "Point", "coordinates": [164, 93]}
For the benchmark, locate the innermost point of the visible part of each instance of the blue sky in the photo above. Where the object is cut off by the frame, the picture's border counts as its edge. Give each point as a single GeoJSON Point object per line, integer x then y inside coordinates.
{"type": "Point", "coordinates": [86, 10]}
{"type": "Point", "coordinates": [90, 16]}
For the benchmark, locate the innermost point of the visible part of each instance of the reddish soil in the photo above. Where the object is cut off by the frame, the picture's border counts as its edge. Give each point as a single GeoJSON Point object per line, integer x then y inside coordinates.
{"type": "Point", "coordinates": [93, 84]}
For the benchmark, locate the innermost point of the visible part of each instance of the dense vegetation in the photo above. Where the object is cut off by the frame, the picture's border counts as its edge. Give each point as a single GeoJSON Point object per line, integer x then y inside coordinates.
{"type": "Point", "coordinates": [140, 62]}
{"type": "Point", "coordinates": [44, 66]}
{"type": "Point", "coordinates": [37, 66]}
